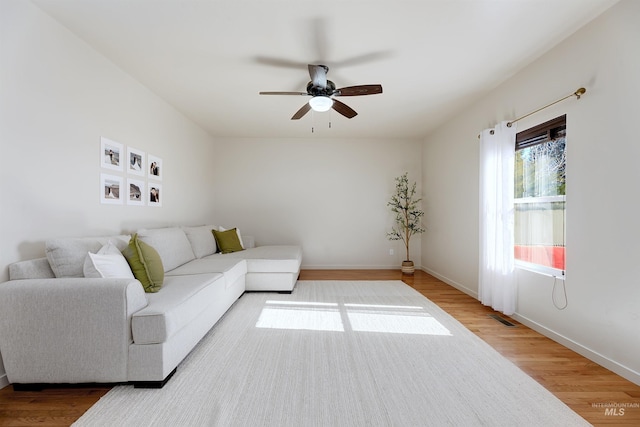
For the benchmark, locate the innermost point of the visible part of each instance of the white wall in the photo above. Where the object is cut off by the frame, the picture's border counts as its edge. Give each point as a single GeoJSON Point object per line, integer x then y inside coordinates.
{"type": "Point", "coordinates": [602, 319]}
{"type": "Point", "coordinates": [329, 196]}
{"type": "Point", "coordinates": [58, 98]}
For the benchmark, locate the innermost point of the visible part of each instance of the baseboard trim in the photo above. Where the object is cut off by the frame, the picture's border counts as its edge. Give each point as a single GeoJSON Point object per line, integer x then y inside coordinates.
{"type": "Point", "coordinates": [453, 283]}
{"type": "Point", "coordinates": [352, 267]}
{"type": "Point", "coordinates": [594, 356]}
{"type": "Point", "coordinates": [4, 381]}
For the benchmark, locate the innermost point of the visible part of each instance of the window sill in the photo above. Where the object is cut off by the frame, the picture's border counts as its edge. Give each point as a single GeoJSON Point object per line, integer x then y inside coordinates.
{"type": "Point", "coordinates": [540, 269]}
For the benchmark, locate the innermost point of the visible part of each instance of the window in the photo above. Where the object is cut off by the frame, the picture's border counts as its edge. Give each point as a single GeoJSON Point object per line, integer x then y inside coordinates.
{"type": "Point", "coordinates": [540, 185]}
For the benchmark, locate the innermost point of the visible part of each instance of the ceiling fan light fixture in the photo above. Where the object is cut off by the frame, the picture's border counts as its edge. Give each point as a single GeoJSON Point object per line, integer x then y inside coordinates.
{"type": "Point", "coordinates": [321, 103]}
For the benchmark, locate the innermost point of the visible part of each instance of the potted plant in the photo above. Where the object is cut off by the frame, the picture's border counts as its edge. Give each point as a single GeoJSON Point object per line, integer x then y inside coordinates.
{"type": "Point", "coordinates": [407, 222]}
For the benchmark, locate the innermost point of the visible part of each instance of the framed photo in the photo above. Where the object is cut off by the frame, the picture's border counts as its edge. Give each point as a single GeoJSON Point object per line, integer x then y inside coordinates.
{"type": "Point", "coordinates": [136, 189]}
{"type": "Point", "coordinates": [155, 167]}
{"type": "Point", "coordinates": [155, 194]}
{"type": "Point", "coordinates": [111, 191]}
{"type": "Point", "coordinates": [111, 154]}
{"type": "Point", "coordinates": [135, 161]}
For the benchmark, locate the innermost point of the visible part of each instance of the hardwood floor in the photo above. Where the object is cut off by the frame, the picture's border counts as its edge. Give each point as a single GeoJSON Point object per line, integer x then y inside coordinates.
{"type": "Point", "coordinates": [583, 385]}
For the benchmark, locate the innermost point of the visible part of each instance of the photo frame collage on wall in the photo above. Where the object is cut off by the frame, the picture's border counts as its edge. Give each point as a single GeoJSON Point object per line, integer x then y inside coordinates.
{"type": "Point", "coordinates": [143, 173]}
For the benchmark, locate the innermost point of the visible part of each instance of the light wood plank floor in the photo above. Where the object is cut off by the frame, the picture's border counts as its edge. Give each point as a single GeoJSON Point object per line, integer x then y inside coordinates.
{"type": "Point", "coordinates": [574, 379]}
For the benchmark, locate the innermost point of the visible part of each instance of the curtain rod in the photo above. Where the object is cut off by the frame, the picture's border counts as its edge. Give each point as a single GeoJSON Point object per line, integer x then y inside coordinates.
{"type": "Point", "coordinates": [578, 93]}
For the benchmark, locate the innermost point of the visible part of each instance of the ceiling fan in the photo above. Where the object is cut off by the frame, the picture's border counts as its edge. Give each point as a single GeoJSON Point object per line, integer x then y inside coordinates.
{"type": "Point", "coordinates": [323, 93]}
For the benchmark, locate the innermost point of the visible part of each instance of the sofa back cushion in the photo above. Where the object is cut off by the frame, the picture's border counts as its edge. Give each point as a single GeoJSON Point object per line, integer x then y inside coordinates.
{"type": "Point", "coordinates": [201, 239]}
{"type": "Point", "coordinates": [66, 255]}
{"type": "Point", "coordinates": [171, 244]}
{"type": "Point", "coordinates": [38, 268]}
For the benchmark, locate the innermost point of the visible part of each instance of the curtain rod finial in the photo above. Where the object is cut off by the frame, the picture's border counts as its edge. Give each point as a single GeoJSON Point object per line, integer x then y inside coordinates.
{"type": "Point", "coordinates": [580, 92]}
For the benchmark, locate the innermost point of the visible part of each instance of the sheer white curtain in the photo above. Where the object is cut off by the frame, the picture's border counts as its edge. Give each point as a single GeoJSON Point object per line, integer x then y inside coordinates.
{"type": "Point", "coordinates": [497, 285]}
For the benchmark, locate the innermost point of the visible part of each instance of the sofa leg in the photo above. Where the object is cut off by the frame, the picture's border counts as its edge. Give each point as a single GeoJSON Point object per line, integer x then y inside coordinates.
{"type": "Point", "coordinates": [153, 384]}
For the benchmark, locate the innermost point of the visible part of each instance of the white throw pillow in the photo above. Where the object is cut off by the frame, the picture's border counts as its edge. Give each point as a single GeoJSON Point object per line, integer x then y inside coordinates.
{"type": "Point", "coordinates": [107, 263]}
{"type": "Point", "coordinates": [237, 231]}
{"type": "Point", "coordinates": [109, 249]}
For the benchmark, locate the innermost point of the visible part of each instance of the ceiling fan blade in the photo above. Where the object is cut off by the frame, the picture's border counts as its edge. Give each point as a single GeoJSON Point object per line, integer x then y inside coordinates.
{"type": "Point", "coordinates": [359, 90]}
{"type": "Point", "coordinates": [284, 93]}
{"type": "Point", "coordinates": [344, 109]}
{"type": "Point", "coordinates": [301, 112]}
{"type": "Point", "coordinates": [363, 59]}
{"type": "Point", "coordinates": [278, 62]}
{"type": "Point", "coordinates": [318, 74]}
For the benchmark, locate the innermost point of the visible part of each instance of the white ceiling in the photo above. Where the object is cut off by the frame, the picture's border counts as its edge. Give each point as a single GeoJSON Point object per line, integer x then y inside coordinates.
{"type": "Point", "coordinates": [209, 59]}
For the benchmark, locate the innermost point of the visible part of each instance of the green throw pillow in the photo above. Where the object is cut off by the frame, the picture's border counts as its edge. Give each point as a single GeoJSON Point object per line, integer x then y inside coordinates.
{"type": "Point", "coordinates": [227, 241]}
{"type": "Point", "coordinates": [146, 264]}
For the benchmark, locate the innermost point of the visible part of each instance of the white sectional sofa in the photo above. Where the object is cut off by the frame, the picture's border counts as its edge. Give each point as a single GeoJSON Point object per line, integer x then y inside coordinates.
{"type": "Point", "coordinates": [57, 326]}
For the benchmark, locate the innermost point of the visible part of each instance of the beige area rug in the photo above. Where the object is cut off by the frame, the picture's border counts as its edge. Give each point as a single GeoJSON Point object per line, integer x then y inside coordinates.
{"type": "Point", "coordinates": [338, 353]}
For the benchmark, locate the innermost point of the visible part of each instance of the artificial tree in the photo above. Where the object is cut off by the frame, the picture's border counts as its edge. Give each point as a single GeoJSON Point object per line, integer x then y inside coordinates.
{"type": "Point", "coordinates": [408, 215]}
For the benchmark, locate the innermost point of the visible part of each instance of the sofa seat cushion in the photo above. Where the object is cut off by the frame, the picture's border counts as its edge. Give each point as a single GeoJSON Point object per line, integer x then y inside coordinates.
{"type": "Point", "coordinates": [232, 269]}
{"type": "Point", "coordinates": [269, 259]}
{"type": "Point", "coordinates": [180, 301]}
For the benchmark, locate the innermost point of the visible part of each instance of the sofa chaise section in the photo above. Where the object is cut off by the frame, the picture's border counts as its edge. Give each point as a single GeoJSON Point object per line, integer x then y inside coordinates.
{"type": "Point", "coordinates": [270, 268]}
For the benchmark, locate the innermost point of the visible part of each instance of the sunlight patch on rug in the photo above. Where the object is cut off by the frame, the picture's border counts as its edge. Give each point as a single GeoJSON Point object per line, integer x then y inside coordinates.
{"type": "Point", "coordinates": [335, 317]}
{"type": "Point", "coordinates": [299, 318]}
{"type": "Point", "coordinates": [396, 324]}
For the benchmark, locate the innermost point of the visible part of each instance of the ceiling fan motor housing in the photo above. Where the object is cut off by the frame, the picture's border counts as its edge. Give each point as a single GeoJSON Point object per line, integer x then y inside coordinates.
{"type": "Point", "coordinates": [321, 91]}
